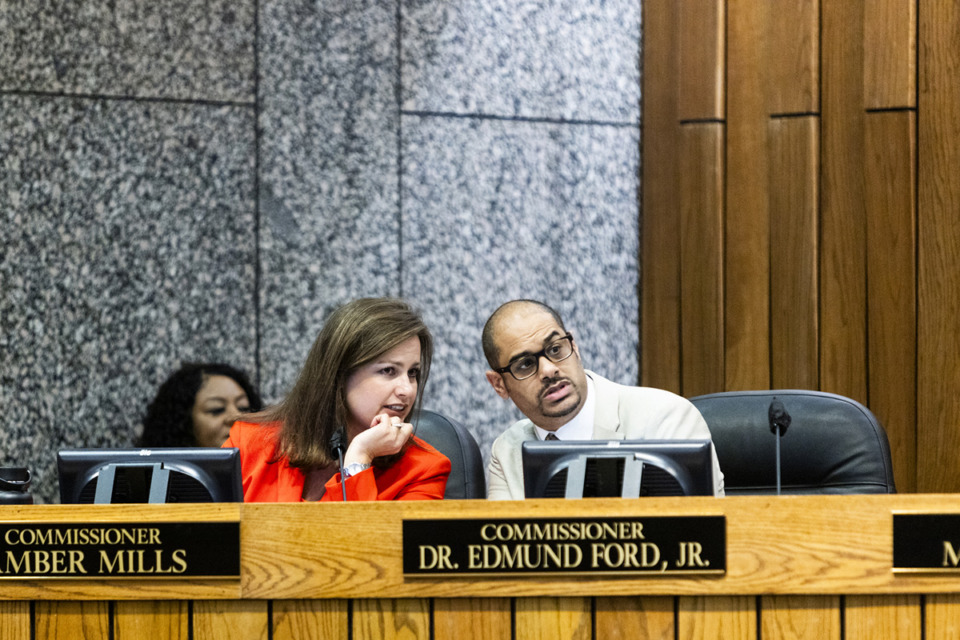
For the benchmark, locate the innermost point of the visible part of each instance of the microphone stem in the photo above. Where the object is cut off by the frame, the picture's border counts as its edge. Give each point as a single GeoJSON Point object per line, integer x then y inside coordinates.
{"type": "Point", "coordinates": [343, 481]}
{"type": "Point", "coordinates": [778, 459]}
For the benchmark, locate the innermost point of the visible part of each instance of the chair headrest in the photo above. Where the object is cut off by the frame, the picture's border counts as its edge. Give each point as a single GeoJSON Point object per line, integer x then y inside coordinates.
{"type": "Point", "coordinates": [467, 479]}
{"type": "Point", "coordinates": [832, 444]}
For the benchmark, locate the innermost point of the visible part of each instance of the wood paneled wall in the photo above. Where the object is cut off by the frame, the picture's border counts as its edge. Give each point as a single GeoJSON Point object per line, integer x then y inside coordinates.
{"type": "Point", "coordinates": [801, 209]}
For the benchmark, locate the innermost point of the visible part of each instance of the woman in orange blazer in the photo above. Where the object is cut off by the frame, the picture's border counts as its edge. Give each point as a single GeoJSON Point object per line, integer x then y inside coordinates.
{"type": "Point", "coordinates": [363, 378]}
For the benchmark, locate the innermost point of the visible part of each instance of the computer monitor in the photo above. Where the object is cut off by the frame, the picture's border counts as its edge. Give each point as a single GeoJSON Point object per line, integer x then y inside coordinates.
{"type": "Point", "coordinates": [617, 468]}
{"type": "Point", "coordinates": [181, 474]}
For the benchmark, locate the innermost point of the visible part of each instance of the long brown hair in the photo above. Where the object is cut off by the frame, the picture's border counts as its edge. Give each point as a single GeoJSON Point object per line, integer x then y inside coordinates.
{"type": "Point", "coordinates": [354, 335]}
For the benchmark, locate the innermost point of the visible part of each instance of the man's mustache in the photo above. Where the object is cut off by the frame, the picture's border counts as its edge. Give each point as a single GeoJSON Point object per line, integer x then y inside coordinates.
{"type": "Point", "coordinates": [549, 382]}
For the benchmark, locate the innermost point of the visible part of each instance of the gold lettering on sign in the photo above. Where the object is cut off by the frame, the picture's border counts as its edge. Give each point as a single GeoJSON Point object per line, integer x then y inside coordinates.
{"type": "Point", "coordinates": [36, 561]}
{"type": "Point", "coordinates": [950, 556]}
{"type": "Point", "coordinates": [614, 555]}
{"type": "Point", "coordinates": [83, 536]}
{"type": "Point", "coordinates": [524, 556]}
{"type": "Point", "coordinates": [139, 562]}
{"type": "Point", "coordinates": [561, 531]}
{"type": "Point", "coordinates": [436, 557]}
{"type": "Point", "coordinates": [690, 555]}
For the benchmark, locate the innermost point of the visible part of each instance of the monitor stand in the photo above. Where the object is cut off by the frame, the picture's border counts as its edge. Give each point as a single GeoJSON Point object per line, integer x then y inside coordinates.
{"type": "Point", "coordinates": [577, 472]}
{"type": "Point", "coordinates": [148, 482]}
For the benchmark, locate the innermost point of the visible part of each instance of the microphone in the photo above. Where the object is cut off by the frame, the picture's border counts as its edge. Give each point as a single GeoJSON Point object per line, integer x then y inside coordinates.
{"type": "Point", "coordinates": [779, 421]}
{"type": "Point", "coordinates": [779, 418]}
{"type": "Point", "coordinates": [337, 439]}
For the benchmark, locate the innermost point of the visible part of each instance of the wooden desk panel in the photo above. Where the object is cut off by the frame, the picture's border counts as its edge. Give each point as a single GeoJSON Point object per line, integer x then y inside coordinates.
{"type": "Point", "coordinates": [787, 545]}
{"type": "Point", "coordinates": [797, 567]}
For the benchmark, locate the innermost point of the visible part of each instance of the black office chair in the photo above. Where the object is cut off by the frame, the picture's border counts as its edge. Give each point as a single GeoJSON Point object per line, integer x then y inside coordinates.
{"type": "Point", "coordinates": [833, 444]}
{"type": "Point", "coordinates": [452, 440]}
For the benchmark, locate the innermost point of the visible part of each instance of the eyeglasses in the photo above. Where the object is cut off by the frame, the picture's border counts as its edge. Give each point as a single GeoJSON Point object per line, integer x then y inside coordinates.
{"type": "Point", "coordinates": [528, 364]}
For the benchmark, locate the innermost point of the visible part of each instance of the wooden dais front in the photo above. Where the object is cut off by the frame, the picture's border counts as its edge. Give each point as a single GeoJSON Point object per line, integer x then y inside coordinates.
{"type": "Point", "coordinates": [796, 567]}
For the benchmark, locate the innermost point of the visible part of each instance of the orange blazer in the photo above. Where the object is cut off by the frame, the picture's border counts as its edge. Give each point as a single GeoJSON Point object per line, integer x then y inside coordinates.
{"type": "Point", "coordinates": [421, 474]}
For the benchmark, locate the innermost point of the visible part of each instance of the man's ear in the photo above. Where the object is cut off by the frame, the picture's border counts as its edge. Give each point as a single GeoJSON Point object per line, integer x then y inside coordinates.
{"type": "Point", "coordinates": [496, 381]}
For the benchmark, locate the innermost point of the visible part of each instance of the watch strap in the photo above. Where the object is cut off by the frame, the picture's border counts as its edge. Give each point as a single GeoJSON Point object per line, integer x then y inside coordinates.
{"type": "Point", "coordinates": [353, 469]}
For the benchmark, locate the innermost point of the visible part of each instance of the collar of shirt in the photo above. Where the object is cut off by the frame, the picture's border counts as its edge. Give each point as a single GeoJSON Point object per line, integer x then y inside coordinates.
{"type": "Point", "coordinates": [581, 426]}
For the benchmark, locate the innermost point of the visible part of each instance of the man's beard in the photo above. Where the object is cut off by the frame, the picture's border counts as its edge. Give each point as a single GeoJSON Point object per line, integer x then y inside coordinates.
{"type": "Point", "coordinates": [559, 413]}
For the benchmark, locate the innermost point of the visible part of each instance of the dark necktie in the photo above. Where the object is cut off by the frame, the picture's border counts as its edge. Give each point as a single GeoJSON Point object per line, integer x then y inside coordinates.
{"type": "Point", "coordinates": [550, 436]}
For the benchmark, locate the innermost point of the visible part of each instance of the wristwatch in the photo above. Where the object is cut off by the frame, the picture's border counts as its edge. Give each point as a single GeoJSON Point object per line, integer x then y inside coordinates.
{"type": "Point", "coordinates": [354, 468]}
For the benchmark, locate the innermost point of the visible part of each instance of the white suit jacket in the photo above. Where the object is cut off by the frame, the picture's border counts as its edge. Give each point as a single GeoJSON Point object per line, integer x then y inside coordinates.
{"type": "Point", "coordinates": [621, 413]}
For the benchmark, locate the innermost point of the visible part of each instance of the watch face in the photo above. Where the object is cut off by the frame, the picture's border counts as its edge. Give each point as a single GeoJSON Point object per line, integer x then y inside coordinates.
{"type": "Point", "coordinates": [354, 468]}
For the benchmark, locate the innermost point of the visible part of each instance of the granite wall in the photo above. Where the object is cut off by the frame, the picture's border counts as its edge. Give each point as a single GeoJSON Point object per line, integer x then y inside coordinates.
{"type": "Point", "coordinates": [206, 180]}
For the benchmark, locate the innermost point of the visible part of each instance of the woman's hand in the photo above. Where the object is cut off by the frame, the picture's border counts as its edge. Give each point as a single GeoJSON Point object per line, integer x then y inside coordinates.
{"type": "Point", "coordinates": [387, 435]}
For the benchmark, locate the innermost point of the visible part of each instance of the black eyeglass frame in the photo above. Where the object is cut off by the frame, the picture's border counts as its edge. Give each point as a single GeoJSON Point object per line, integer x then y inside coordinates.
{"type": "Point", "coordinates": [539, 354]}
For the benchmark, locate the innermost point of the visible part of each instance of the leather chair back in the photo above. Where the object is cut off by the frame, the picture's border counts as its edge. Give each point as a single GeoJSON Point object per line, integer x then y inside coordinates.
{"type": "Point", "coordinates": [467, 479]}
{"type": "Point", "coordinates": [833, 444]}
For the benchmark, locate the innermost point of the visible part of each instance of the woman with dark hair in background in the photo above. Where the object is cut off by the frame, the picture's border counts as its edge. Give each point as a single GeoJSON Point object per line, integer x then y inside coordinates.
{"type": "Point", "coordinates": [196, 406]}
{"type": "Point", "coordinates": [362, 380]}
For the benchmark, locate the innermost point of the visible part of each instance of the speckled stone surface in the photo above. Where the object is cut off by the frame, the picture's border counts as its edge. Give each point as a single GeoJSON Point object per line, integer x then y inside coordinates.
{"type": "Point", "coordinates": [497, 210]}
{"type": "Point", "coordinates": [460, 154]}
{"type": "Point", "coordinates": [328, 194]}
{"type": "Point", "coordinates": [566, 59]}
{"type": "Point", "coordinates": [187, 49]}
{"type": "Point", "coordinates": [127, 246]}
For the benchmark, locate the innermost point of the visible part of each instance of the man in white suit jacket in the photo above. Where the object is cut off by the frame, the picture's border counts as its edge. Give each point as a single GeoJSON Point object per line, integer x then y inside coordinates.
{"type": "Point", "coordinates": [535, 362]}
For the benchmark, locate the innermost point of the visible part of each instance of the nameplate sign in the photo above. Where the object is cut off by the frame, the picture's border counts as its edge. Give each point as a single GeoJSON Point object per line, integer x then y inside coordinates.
{"type": "Point", "coordinates": [119, 550]}
{"type": "Point", "coordinates": [649, 546]}
{"type": "Point", "coordinates": [926, 543]}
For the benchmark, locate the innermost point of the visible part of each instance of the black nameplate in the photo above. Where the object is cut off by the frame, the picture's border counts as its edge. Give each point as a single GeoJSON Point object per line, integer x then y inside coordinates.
{"type": "Point", "coordinates": [926, 543]}
{"type": "Point", "coordinates": [120, 550]}
{"type": "Point", "coordinates": [654, 546]}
